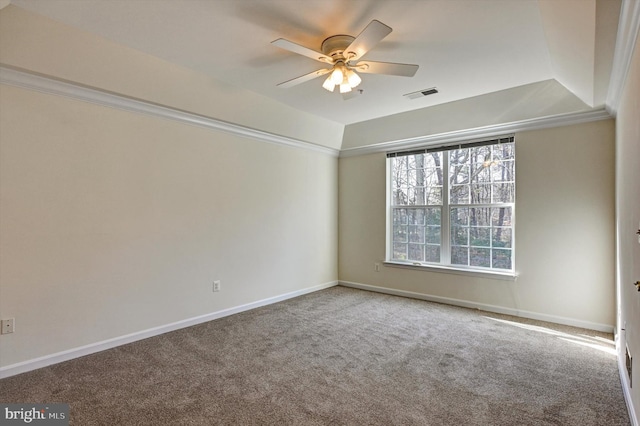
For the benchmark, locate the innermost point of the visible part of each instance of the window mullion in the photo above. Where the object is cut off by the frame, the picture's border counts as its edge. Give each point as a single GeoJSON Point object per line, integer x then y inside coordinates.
{"type": "Point", "coordinates": [445, 229]}
{"type": "Point", "coordinates": [390, 171]}
{"type": "Point", "coordinates": [389, 249]}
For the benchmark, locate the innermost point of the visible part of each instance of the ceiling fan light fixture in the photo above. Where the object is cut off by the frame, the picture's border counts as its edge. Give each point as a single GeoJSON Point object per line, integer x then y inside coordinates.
{"type": "Point", "coordinates": [329, 84]}
{"type": "Point", "coordinates": [337, 75]}
{"type": "Point", "coordinates": [340, 52]}
{"type": "Point", "coordinates": [345, 88]}
{"type": "Point", "coordinates": [354, 79]}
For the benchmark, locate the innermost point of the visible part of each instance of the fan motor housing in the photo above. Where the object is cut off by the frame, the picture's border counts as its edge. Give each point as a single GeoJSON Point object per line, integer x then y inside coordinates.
{"type": "Point", "coordinates": [334, 46]}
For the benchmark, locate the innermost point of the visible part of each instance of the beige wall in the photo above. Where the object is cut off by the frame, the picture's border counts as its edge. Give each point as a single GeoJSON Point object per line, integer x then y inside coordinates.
{"type": "Point", "coordinates": [564, 238]}
{"type": "Point", "coordinates": [628, 219]}
{"type": "Point", "coordinates": [114, 222]}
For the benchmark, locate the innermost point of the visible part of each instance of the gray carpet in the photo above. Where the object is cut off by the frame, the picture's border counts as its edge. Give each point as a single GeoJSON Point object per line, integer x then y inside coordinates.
{"type": "Point", "coordinates": [345, 357]}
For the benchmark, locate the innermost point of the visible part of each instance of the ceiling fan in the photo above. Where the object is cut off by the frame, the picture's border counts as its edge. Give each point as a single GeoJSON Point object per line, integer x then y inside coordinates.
{"type": "Point", "coordinates": [343, 54]}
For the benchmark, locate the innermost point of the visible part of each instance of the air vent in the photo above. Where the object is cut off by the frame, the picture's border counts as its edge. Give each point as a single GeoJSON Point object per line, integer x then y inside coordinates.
{"type": "Point", "coordinates": [422, 93]}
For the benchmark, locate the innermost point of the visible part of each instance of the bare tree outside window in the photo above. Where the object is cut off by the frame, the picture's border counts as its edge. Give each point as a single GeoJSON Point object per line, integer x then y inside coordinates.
{"type": "Point", "coordinates": [478, 201]}
{"type": "Point", "coordinates": [416, 182]}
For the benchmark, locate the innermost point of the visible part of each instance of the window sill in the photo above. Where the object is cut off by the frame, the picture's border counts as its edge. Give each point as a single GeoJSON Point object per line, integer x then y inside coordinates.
{"type": "Point", "coordinates": [508, 276]}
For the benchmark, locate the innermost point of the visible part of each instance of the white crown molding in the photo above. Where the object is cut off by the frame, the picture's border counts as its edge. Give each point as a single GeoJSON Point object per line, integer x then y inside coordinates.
{"type": "Point", "coordinates": [481, 132]}
{"type": "Point", "coordinates": [45, 84]}
{"type": "Point", "coordinates": [626, 39]}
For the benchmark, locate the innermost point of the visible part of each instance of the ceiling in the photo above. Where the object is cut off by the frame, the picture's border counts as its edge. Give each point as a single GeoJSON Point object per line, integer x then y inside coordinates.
{"type": "Point", "coordinates": [465, 48]}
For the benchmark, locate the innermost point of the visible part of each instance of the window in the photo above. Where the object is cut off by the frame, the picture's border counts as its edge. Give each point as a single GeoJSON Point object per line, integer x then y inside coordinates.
{"type": "Point", "coordinates": [453, 206]}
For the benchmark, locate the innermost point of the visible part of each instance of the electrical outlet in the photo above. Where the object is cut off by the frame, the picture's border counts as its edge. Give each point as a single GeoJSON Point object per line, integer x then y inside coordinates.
{"type": "Point", "coordinates": [216, 285]}
{"type": "Point", "coordinates": [8, 325]}
{"type": "Point", "coordinates": [376, 267]}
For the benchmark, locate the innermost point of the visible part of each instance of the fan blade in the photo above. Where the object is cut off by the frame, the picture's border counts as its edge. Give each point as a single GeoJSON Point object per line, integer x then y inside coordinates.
{"type": "Point", "coordinates": [389, 68]}
{"type": "Point", "coordinates": [303, 78]}
{"type": "Point", "coordinates": [301, 50]}
{"type": "Point", "coordinates": [369, 37]}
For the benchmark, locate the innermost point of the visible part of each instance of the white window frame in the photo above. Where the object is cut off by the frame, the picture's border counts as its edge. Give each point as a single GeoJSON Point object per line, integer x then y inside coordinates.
{"type": "Point", "coordinates": [445, 229]}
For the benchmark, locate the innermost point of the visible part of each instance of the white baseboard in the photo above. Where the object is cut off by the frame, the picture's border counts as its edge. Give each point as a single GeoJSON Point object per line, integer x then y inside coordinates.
{"type": "Point", "coordinates": [484, 307]}
{"type": "Point", "coordinates": [33, 364]}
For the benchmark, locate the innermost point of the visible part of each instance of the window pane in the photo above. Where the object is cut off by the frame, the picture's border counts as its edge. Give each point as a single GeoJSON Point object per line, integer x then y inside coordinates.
{"type": "Point", "coordinates": [433, 234]}
{"type": "Point", "coordinates": [459, 174]}
{"type": "Point", "coordinates": [434, 196]}
{"type": "Point", "coordinates": [501, 216]}
{"type": "Point", "coordinates": [503, 171]}
{"type": "Point", "coordinates": [480, 154]}
{"type": "Point", "coordinates": [458, 156]}
{"type": "Point", "coordinates": [505, 151]}
{"type": "Point", "coordinates": [416, 234]}
{"type": "Point", "coordinates": [432, 254]}
{"type": "Point", "coordinates": [399, 251]}
{"type": "Point", "coordinates": [399, 180]}
{"type": "Point", "coordinates": [480, 174]}
{"type": "Point", "coordinates": [459, 194]}
{"type": "Point", "coordinates": [501, 259]}
{"type": "Point", "coordinates": [460, 255]}
{"type": "Point", "coordinates": [411, 196]}
{"type": "Point", "coordinates": [459, 236]}
{"type": "Point", "coordinates": [412, 228]}
{"type": "Point", "coordinates": [480, 193]}
{"type": "Point", "coordinates": [480, 216]}
{"type": "Point", "coordinates": [413, 179]}
{"type": "Point", "coordinates": [417, 179]}
{"type": "Point", "coordinates": [480, 257]}
{"type": "Point", "coordinates": [504, 192]}
{"type": "Point", "coordinates": [416, 196]}
{"type": "Point", "coordinates": [480, 237]}
{"type": "Point", "coordinates": [459, 216]}
{"type": "Point", "coordinates": [415, 161]}
{"type": "Point", "coordinates": [415, 216]}
{"type": "Point", "coordinates": [400, 197]}
{"type": "Point", "coordinates": [400, 234]}
{"type": "Point", "coordinates": [416, 252]}
{"type": "Point", "coordinates": [433, 216]}
{"type": "Point", "coordinates": [399, 216]}
{"type": "Point", "coordinates": [433, 176]}
{"type": "Point", "coordinates": [501, 237]}
{"type": "Point", "coordinates": [433, 160]}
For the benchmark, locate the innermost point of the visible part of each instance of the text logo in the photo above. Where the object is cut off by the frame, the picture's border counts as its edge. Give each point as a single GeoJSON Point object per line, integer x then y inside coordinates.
{"type": "Point", "coordinates": [34, 414]}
